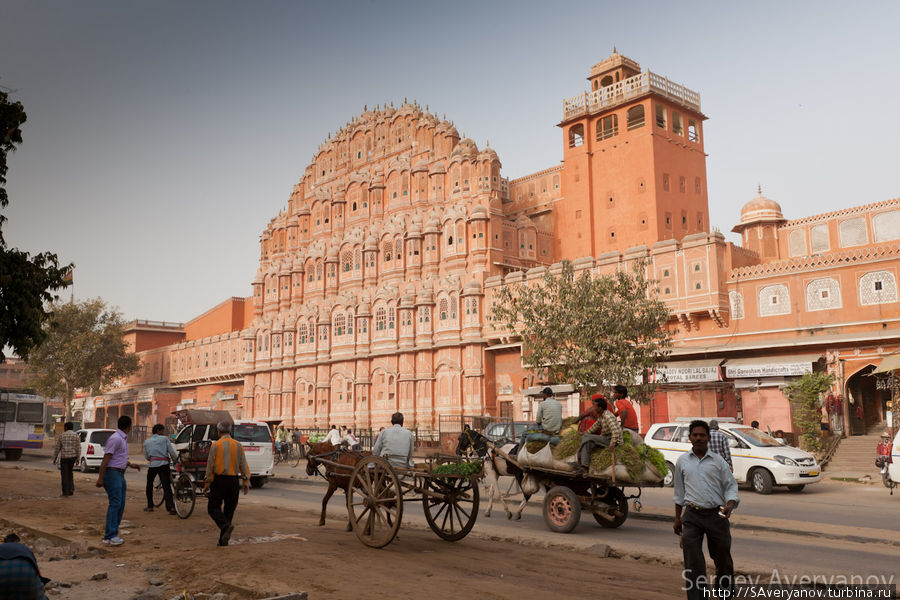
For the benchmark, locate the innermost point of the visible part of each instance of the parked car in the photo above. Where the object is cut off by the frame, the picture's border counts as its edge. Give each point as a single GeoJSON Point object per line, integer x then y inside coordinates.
{"type": "Point", "coordinates": [254, 436]}
{"type": "Point", "coordinates": [93, 442]}
{"type": "Point", "coordinates": [759, 459]}
{"type": "Point", "coordinates": [500, 431]}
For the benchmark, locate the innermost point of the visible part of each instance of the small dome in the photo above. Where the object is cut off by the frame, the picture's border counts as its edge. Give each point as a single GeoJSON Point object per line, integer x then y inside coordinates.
{"type": "Point", "coordinates": [421, 165]}
{"type": "Point", "coordinates": [466, 147]}
{"type": "Point", "coordinates": [371, 243]}
{"type": "Point", "coordinates": [437, 167]}
{"type": "Point", "coordinates": [332, 254]}
{"type": "Point", "coordinates": [761, 209]}
{"type": "Point", "coordinates": [473, 286]}
{"type": "Point", "coordinates": [479, 212]}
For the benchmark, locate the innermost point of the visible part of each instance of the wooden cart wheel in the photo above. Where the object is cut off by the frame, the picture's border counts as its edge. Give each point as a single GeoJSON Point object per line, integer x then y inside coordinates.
{"type": "Point", "coordinates": [451, 505]}
{"type": "Point", "coordinates": [562, 509]}
{"type": "Point", "coordinates": [375, 502]}
{"type": "Point", "coordinates": [615, 513]}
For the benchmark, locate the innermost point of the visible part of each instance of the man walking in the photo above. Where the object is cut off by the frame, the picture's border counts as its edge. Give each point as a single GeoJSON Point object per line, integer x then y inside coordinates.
{"type": "Point", "coordinates": [334, 437]}
{"type": "Point", "coordinates": [718, 443]}
{"type": "Point", "coordinates": [396, 443]}
{"type": "Point", "coordinates": [112, 478]}
{"type": "Point", "coordinates": [158, 449]}
{"type": "Point", "coordinates": [68, 453]}
{"type": "Point", "coordinates": [226, 463]}
{"type": "Point", "coordinates": [706, 494]}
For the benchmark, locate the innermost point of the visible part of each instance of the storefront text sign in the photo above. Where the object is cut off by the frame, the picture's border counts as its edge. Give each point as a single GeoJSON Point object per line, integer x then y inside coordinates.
{"type": "Point", "coordinates": [768, 370]}
{"type": "Point", "coordinates": [688, 374]}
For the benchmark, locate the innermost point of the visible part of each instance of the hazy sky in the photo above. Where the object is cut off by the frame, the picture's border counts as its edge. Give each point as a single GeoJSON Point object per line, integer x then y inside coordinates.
{"type": "Point", "coordinates": [163, 136]}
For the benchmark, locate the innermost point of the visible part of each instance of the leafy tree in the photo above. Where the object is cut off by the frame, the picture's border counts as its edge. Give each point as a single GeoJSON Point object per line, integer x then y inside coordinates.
{"type": "Point", "coordinates": [83, 349]}
{"type": "Point", "coordinates": [592, 330]}
{"type": "Point", "coordinates": [27, 282]}
{"type": "Point", "coordinates": [805, 395]}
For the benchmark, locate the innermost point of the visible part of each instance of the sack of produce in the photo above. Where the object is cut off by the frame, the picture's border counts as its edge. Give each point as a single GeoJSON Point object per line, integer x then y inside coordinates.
{"type": "Point", "coordinates": [543, 458]}
{"type": "Point", "coordinates": [530, 485]}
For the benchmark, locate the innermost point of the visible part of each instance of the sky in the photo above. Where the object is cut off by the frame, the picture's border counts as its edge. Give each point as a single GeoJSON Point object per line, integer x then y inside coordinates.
{"type": "Point", "coordinates": [163, 136]}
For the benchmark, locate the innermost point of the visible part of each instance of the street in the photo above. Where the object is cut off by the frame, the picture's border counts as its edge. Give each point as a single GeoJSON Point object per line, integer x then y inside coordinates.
{"type": "Point", "coordinates": [837, 529]}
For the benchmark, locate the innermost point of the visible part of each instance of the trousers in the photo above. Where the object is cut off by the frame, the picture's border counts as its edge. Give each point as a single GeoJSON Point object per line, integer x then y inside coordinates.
{"type": "Point", "coordinates": [114, 484]}
{"type": "Point", "coordinates": [695, 525]}
{"type": "Point", "coordinates": [66, 466]}
{"type": "Point", "coordinates": [589, 442]}
{"type": "Point", "coordinates": [165, 478]}
{"type": "Point", "coordinates": [224, 492]}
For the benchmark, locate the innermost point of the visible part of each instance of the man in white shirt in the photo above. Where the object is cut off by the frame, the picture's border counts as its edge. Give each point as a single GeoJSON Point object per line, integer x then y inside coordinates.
{"type": "Point", "coordinates": [333, 437]}
{"type": "Point", "coordinates": [396, 443]}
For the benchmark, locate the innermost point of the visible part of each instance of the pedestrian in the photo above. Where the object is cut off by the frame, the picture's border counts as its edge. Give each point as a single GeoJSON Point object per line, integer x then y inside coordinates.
{"type": "Point", "coordinates": [754, 424]}
{"type": "Point", "coordinates": [705, 494]}
{"type": "Point", "coordinates": [20, 577]}
{"type": "Point", "coordinates": [227, 473]}
{"type": "Point", "coordinates": [606, 432]}
{"type": "Point", "coordinates": [333, 437]}
{"type": "Point", "coordinates": [351, 440]}
{"type": "Point", "coordinates": [158, 449]}
{"type": "Point", "coordinates": [718, 443]}
{"type": "Point", "coordinates": [68, 453]}
{"type": "Point", "coordinates": [396, 443]}
{"type": "Point", "coordinates": [623, 407]}
{"type": "Point", "coordinates": [112, 478]}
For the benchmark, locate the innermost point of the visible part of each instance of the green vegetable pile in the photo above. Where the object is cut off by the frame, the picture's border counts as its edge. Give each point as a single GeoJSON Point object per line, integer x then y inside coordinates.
{"type": "Point", "coordinates": [536, 446]}
{"type": "Point", "coordinates": [655, 458]}
{"type": "Point", "coordinates": [568, 446]}
{"type": "Point", "coordinates": [464, 468]}
{"type": "Point", "coordinates": [626, 455]}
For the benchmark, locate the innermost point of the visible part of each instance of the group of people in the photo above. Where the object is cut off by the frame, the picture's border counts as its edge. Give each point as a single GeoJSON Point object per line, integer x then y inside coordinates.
{"type": "Point", "coordinates": [344, 436]}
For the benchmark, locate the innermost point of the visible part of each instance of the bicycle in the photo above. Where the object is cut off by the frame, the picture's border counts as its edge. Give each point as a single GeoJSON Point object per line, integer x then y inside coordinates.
{"type": "Point", "coordinates": [183, 494]}
{"type": "Point", "coordinates": [288, 454]}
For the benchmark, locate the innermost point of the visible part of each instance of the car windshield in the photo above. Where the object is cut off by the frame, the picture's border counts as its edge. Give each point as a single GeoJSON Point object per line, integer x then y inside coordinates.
{"type": "Point", "coordinates": [755, 437]}
{"type": "Point", "coordinates": [100, 437]}
{"type": "Point", "coordinates": [250, 432]}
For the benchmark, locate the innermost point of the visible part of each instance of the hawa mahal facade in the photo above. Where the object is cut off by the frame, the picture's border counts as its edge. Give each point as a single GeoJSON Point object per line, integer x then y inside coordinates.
{"type": "Point", "coordinates": [374, 283]}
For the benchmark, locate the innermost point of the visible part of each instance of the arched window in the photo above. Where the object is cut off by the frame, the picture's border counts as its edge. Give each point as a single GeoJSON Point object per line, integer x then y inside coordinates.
{"type": "Point", "coordinates": [636, 116]}
{"type": "Point", "coordinates": [443, 311]}
{"type": "Point", "coordinates": [774, 300]}
{"type": "Point", "coordinates": [398, 248]}
{"type": "Point", "coordinates": [380, 319]}
{"type": "Point", "coordinates": [386, 248]}
{"type": "Point", "coordinates": [319, 271]}
{"type": "Point", "coordinates": [357, 259]}
{"type": "Point", "coordinates": [607, 127]}
{"type": "Point", "coordinates": [608, 80]}
{"type": "Point", "coordinates": [878, 287]}
{"type": "Point", "coordinates": [392, 317]}
{"type": "Point", "coordinates": [346, 261]}
{"type": "Point", "coordinates": [453, 305]}
{"type": "Point", "coordinates": [350, 322]}
{"type": "Point", "coordinates": [340, 322]}
{"type": "Point", "coordinates": [576, 135]}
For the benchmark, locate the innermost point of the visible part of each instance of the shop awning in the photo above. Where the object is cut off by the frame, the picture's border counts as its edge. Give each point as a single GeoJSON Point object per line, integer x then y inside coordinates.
{"type": "Point", "coordinates": [559, 388]}
{"type": "Point", "coordinates": [771, 366]}
{"type": "Point", "coordinates": [689, 371]}
{"type": "Point", "coordinates": [888, 364]}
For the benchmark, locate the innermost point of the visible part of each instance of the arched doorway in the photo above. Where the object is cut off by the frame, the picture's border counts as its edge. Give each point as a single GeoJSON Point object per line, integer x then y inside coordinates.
{"type": "Point", "coordinates": [865, 401]}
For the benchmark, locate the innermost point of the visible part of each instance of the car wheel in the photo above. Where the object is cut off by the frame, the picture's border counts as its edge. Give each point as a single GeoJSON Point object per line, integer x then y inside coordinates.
{"type": "Point", "coordinates": [796, 488]}
{"type": "Point", "coordinates": [257, 482]}
{"type": "Point", "coordinates": [669, 479]}
{"type": "Point", "coordinates": [83, 466]}
{"type": "Point", "coordinates": [761, 480]}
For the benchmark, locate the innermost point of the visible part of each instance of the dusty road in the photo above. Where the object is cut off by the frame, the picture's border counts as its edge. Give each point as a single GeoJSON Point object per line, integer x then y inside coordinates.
{"type": "Point", "coordinates": [278, 551]}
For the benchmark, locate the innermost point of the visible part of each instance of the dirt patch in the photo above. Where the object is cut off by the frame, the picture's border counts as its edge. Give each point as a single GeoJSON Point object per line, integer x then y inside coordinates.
{"type": "Point", "coordinates": [278, 551]}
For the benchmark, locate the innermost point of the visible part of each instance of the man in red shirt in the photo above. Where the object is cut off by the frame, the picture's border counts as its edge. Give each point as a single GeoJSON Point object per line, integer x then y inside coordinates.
{"type": "Point", "coordinates": [883, 451]}
{"type": "Point", "coordinates": [624, 409]}
{"type": "Point", "coordinates": [588, 417]}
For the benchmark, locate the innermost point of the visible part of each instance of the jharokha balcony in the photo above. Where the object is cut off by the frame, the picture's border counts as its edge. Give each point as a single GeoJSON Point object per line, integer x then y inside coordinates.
{"type": "Point", "coordinates": [623, 91]}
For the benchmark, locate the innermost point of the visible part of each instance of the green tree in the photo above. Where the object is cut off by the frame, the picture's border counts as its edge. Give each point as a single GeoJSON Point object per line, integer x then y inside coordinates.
{"type": "Point", "coordinates": [805, 395]}
{"type": "Point", "coordinates": [592, 330]}
{"type": "Point", "coordinates": [27, 282]}
{"type": "Point", "coordinates": [83, 349]}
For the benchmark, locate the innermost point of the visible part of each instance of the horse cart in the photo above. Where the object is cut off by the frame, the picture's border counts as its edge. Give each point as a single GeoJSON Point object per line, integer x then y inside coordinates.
{"type": "Point", "coordinates": [190, 468]}
{"type": "Point", "coordinates": [378, 490]}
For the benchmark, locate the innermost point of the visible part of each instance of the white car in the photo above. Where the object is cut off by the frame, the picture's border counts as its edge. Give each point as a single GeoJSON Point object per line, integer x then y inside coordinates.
{"type": "Point", "coordinates": [759, 459]}
{"type": "Point", "coordinates": [254, 436]}
{"type": "Point", "coordinates": [93, 441]}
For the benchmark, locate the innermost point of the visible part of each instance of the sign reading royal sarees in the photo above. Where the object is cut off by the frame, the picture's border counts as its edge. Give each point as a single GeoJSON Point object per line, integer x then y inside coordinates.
{"type": "Point", "coordinates": [692, 374]}
{"type": "Point", "coordinates": [774, 369]}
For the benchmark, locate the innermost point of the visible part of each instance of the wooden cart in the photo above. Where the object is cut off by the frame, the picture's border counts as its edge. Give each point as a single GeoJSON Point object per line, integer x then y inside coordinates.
{"type": "Point", "coordinates": [379, 489]}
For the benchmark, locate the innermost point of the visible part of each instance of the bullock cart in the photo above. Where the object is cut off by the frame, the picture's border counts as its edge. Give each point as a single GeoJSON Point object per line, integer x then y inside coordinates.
{"type": "Point", "coordinates": [379, 489]}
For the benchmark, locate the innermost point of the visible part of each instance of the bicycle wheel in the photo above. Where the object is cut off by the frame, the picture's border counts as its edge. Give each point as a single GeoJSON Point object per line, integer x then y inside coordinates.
{"type": "Point", "coordinates": [185, 496]}
{"type": "Point", "coordinates": [295, 456]}
{"type": "Point", "coordinates": [276, 457]}
{"type": "Point", "coordinates": [159, 495]}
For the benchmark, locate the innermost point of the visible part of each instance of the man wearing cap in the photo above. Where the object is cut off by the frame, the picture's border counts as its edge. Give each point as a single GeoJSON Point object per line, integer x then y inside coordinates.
{"type": "Point", "coordinates": [548, 416]}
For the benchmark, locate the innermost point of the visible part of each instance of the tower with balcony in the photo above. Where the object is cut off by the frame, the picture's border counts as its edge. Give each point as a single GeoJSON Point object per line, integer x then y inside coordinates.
{"type": "Point", "coordinates": [634, 166]}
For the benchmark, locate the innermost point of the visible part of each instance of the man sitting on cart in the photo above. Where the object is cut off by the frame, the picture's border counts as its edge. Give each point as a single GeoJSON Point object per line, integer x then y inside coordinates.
{"type": "Point", "coordinates": [395, 443]}
{"type": "Point", "coordinates": [606, 432]}
{"type": "Point", "coordinates": [548, 417]}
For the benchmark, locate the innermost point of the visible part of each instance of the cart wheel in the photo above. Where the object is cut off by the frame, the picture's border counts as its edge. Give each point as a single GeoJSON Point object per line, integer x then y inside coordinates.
{"type": "Point", "coordinates": [159, 495]}
{"type": "Point", "coordinates": [614, 514]}
{"type": "Point", "coordinates": [374, 502]}
{"type": "Point", "coordinates": [562, 509]}
{"type": "Point", "coordinates": [295, 457]}
{"type": "Point", "coordinates": [185, 496]}
{"type": "Point", "coordinates": [451, 506]}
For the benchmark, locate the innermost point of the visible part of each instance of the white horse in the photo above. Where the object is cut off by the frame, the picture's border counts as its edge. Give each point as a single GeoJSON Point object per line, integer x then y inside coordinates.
{"type": "Point", "coordinates": [495, 466]}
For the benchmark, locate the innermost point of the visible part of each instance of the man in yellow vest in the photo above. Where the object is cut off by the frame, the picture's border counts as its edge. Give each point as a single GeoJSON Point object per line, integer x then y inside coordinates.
{"type": "Point", "coordinates": [226, 463]}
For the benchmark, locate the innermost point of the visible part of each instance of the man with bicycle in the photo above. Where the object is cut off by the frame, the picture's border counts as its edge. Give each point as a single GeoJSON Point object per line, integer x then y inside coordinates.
{"type": "Point", "coordinates": [158, 449]}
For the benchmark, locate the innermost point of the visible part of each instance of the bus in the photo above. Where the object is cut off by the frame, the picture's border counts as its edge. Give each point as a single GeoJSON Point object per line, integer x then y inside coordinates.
{"type": "Point", "coordinates": [22, 419]}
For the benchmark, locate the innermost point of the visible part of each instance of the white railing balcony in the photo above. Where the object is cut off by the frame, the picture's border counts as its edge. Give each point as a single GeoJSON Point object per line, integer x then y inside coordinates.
{"type": "Point", "coordinates": [624, 90]}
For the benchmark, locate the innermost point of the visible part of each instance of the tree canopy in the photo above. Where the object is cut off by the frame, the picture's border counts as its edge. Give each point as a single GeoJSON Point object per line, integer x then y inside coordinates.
{"type": "Point", "coordinates": [27, 282]}
{"type": "Point", "coordinates": [83, 349]}
{"type": "Point", "coordinates": [593, 331]}
{"type": "Point", "coordinates": [805, 395]}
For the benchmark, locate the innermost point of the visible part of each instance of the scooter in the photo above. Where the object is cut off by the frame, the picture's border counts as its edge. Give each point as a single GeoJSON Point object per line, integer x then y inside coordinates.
{"type": "Point", "coordinates": [883, 462]}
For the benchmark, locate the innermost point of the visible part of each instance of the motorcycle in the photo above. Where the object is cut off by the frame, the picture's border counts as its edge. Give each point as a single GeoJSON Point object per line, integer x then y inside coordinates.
{"type": "Point", "coordinates": [882, 462]}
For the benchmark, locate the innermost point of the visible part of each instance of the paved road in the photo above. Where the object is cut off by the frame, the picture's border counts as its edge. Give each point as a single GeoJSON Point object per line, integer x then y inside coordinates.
{"type": "Point", "coordinates": [758, 551]}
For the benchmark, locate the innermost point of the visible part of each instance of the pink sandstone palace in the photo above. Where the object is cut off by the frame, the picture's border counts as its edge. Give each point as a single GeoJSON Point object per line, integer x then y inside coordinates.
{"type": "Point", "coordinates": [375, 282]}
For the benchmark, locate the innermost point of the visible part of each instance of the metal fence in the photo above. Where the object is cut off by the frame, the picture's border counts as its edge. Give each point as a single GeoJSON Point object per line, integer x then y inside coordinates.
{"type": "Point", "coordinates": [424, 438]}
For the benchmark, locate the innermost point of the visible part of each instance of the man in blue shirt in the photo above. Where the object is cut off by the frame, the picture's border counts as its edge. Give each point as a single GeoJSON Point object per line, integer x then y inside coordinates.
{"type": "Point", "coordinates": [158, 450]}
{"type": "Point", "coordinates": [705, 493]}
